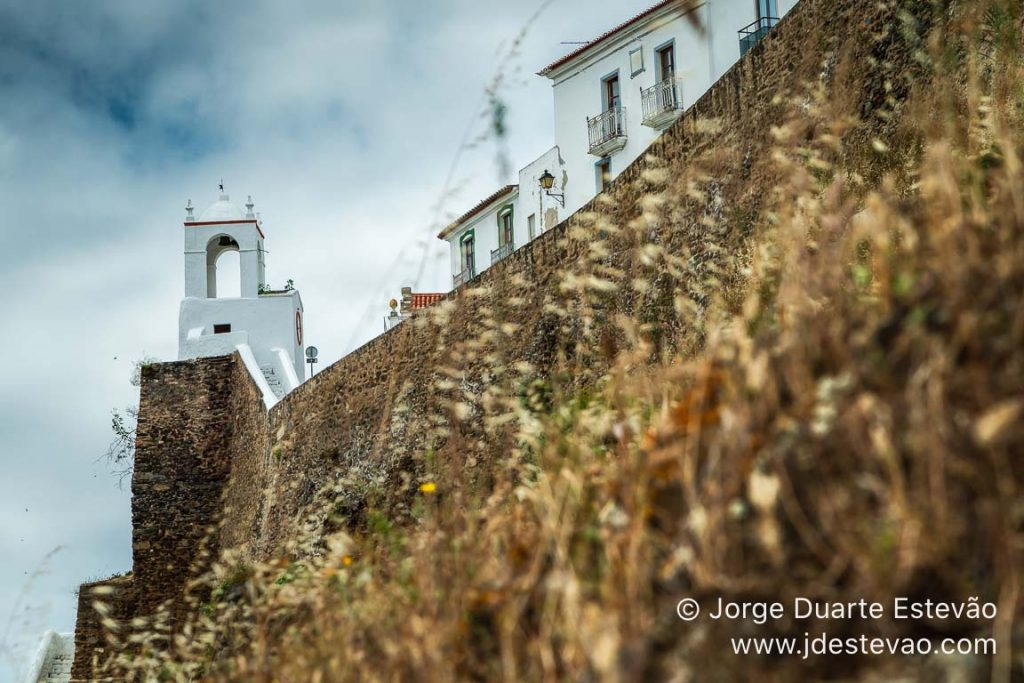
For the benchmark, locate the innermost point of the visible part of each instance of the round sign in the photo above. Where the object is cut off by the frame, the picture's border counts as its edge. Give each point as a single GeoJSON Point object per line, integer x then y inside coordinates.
{"type": "Point", "coordinates": [311, 352]}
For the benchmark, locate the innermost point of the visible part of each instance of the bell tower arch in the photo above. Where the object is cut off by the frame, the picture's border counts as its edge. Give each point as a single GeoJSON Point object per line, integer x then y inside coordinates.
{"type": "Point", "coordinates": [262, 324]}
{"type": "Point", "coordinates": [220, 228]}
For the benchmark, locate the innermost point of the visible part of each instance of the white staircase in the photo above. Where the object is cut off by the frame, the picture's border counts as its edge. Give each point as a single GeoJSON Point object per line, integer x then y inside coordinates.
{"type": "Point", "coordinates": [52, 663]}
{"type": "Point", "coordinates": [274, 380]}
{"type": "Point", "coordinates": [60, 668]}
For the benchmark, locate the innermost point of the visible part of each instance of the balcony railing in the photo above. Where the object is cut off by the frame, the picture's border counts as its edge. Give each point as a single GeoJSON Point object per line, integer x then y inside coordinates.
{"type": "Point", "coordinates": [463, 277]}
{"type": "Point", "coordinates": [751, 35]}
{"type": "Point", "coordinates": [662, 102]}
{"type": "Point", "coordinates": [501, 252]}
{"type": "Point", "coordinates": [607, 131]}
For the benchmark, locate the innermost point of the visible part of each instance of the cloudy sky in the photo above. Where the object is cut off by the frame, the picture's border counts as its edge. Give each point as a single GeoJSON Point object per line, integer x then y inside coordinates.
{"type": "Point", "coordinates": [342, 119]}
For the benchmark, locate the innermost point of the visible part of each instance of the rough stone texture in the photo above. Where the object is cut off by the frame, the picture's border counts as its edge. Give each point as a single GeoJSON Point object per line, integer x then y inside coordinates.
{"type": "Point", "coordinates": [375, 412]}
{"type": "Point", "coordinates": [93, 645]}
{"type": "Point", "coordinates": [196, 417]}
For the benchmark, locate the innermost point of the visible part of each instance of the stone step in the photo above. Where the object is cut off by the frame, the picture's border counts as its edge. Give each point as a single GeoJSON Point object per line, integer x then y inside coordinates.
{"type": "Point", "coordinates": [273, 379]}
{"type": "Point", "coordinates": [59, 656]}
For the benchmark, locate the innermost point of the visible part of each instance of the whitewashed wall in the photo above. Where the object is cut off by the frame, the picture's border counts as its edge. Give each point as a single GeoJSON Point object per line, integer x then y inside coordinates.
{"type": "Point", "coordinates": [485, 228]}
{"type": "Point", "coordinates": [546, 210]}
{"type": "Point", "coordinates": [266, 323]}
{"type": "Point", "coordinates": [701, 59]}
{"type": "Point", "coordinates": [578, 94]}
{"type": "Point", "coordinates": [724, 19]}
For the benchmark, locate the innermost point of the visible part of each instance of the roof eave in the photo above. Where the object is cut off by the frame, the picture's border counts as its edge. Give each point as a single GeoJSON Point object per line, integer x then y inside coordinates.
{"type": "Point", "coordinates": [650, 14]}
{"type": "Point", "coordinates": [480, 208]}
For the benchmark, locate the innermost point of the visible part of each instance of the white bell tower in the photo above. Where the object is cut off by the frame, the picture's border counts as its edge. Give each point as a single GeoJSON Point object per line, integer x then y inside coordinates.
{"type": "Point", "coordinates": [223, 227]}
{"type": "Point", "coordinates": [263, 325]}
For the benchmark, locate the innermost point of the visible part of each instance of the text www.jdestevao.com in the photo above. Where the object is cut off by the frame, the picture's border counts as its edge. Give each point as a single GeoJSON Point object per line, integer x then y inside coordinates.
{"type": "Point", "coordinates": [823, 644]}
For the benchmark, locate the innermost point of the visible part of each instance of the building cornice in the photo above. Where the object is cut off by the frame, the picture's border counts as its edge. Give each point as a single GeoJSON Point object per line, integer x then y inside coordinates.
{"type": "Point", "coordinates": [196, 224]}
{"type": "Point", "coordinates": [478, 209]}
{"type": "Point", "coordinates": [605, 40]}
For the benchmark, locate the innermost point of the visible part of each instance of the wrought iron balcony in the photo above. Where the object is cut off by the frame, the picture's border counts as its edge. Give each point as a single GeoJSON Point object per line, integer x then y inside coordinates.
{"type": "Point", "coordinates": [751, 35]}
{"type": "Point", "coordinates": [465, 276]}
{"type": "Point", "coordinates": [662, 103]}
{"type": "Point", "coordinates": [501, 252]}
{"type": "Point", "coordinates": [607, 131]}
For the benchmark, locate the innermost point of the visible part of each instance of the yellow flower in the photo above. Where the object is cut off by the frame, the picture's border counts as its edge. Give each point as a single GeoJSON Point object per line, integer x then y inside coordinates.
{"type": "Point", "coordinates": [347, 560]}
{"type": "Point", "coordinates": [428, 487]}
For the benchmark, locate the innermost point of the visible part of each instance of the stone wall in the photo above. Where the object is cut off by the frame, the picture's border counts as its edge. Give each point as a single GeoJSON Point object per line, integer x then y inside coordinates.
{"type": "Point", "coordinates": [94, 642]}
{"type": "Point", "coordinates": [363, 424]}
{"type": "Point", "coordinates": [195, 419]}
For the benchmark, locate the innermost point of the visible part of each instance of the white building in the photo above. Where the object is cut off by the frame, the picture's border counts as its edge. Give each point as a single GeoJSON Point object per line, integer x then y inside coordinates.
{"type": "Point", "coordinates": [613, 97]}
{"type": "Point", "coordinates": [483, 235]}
{"type": "Point", "coordinates": [263, 325]}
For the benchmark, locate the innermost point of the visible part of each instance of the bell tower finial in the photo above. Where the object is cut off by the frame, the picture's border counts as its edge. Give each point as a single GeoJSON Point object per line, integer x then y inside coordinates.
{"type": "Point", "coordinates": [189, 218]}
{"type": "Point", "coordinates": [248, 208]}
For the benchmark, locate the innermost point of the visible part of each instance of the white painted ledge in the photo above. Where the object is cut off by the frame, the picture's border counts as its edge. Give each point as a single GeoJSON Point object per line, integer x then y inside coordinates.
{"type": "Point", "coordinates": [51, 645]}
{"type": "Point", "coordinates": [269, 397]}
{"type": "Point", "coordinates": [292, 380]}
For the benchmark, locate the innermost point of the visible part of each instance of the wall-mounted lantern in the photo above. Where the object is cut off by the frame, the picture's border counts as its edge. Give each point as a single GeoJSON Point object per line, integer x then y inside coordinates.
{"type": "Point", "coordinates": [547, 181]}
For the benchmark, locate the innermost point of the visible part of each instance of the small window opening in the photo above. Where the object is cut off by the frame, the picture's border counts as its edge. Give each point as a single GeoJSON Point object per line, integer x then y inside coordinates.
{"type": "Point", "coordinates": [604, 174]}
{"type": "Point", "coordinates": [221, 328]}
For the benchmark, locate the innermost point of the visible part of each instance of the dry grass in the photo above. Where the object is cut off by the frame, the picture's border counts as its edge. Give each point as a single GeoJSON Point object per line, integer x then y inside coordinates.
{"type": "Point", "coordinates": [840, 419]}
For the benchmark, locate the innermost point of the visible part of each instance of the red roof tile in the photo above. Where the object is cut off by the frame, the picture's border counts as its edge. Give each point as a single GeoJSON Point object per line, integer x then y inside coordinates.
{"type": "Point", "coordinates": [607, 34]}
{"type": "Point", "coordinates": [424, 299]}
{"type": "Point", "coordinates": [477, 209]}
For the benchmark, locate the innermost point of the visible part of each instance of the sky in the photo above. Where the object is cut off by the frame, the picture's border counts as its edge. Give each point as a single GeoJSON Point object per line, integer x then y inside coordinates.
{"type": "Point", "coordinates": [345, 120]}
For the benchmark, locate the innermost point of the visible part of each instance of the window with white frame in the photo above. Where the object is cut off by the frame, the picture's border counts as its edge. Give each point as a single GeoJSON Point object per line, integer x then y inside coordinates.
{"type": "Point", "coordinates": [467, 246]}
{"type": "Point", "coordinates": [505, 231]}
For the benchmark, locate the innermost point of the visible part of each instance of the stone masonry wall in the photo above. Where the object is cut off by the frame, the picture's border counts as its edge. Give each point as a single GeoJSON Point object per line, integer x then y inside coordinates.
{"type": "Point", "coordinates": [93, 645]}
{"type": "Point", "coordinates": [209, 457]}
{"type": "Point", "coordinates": [196, 418]}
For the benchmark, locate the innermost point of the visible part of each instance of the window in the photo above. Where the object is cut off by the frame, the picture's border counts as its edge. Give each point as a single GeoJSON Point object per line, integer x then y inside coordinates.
{"type": "Point", "coordinates": [667, 96]}
{"type": "Point", "coordinates": [603, 170]}
{"type": "Point", "coordinates": [505, 234]}
{"type": "Point", "coordinates": [468, 257]}
{"type": "Point", "coordinates": [221, 328]}
{"type": "Point", "coordinates": [666, 62]}
{"type": "Point", "coordinates": [636, 62]}
{"type": "Point", "coordinates": [611, 92]}
{"type": "Point", "coordinates": [767, 8]}
{"type": "Point", "coordinates": [531, 225]}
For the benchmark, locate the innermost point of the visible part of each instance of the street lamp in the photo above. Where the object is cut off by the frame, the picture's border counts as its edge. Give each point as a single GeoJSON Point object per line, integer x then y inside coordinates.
{"type": "Point", "coordinates": [547, 181]}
